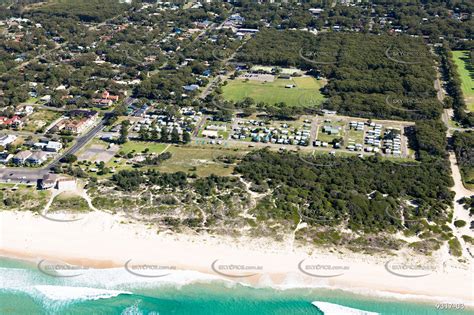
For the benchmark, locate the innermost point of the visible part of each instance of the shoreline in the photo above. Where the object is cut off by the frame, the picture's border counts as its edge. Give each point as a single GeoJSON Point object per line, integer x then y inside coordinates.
{"type": "Point", "coordinates": [101, 241]}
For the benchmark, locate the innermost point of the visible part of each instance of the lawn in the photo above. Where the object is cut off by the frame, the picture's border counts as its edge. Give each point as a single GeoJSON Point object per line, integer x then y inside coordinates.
{"type": "Point", "coordinates": [356, 136]}
{"type": "Point", "coordinates": [306, 93]}
{"type": "Point", "coordinates": [466, 72]}
{"type": "Point", "coordinates": [139, 146]}
{"type": "Point", "coordinates": [203, 161]}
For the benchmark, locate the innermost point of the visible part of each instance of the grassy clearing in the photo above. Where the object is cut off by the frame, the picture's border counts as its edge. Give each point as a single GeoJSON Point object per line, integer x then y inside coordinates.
{"type": "Point", "coordinates": [32, 100]}
{"type": "Point", "coordinates": [306, 92]}
{"type": "Point", "coordinates": [67, 202]}
{"type": "Point", "coordinates": [40, 119]}
{"type": "Point", "coordinates": [466, 72]}
{"type": "Point", "coordinates": [356, 136]}
{"type": "Point", "coordinates": [139, 146]}
{"type": "Point", "coordinates": [203, 161]}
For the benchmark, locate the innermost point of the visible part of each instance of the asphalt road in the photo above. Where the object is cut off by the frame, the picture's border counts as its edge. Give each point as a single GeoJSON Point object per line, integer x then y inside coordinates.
{"type": "Point", "coordinates": [80, 142]}
{"type": "Point", "coordinates": [25, 174]}
{"type": "Point", "coordinates": [129, 101]}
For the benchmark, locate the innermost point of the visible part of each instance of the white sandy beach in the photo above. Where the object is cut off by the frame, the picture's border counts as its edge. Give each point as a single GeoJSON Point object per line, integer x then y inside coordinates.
{"type": "Point", "coordinates": [102, 240]}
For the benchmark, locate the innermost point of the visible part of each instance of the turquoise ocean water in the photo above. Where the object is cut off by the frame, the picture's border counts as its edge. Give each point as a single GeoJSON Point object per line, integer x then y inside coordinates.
{"type": "Point", "coordinates": [26, 290]}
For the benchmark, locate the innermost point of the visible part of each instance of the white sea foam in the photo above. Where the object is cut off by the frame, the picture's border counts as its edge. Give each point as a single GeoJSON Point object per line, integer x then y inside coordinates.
{"type": "Point", "coordinates": [15, 279]}
{"type": "Point", "coordinates": [336, 309]}
{"type": "Point", "coordinates": [119, 279]}
{"type": "Point", "coordinates": [375, 293]}
{"type": "Point", "coordinates": [132, 310]}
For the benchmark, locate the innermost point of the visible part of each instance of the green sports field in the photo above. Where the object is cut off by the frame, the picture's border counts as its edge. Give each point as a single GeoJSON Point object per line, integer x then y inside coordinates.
{"type": "Point", "coordinates": [306, 93]}
{"type": "Point", "coordinates": [466, 72]}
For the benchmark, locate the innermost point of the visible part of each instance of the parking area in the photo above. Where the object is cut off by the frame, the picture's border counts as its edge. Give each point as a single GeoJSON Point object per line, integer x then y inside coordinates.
{"type": "Point", "coordinates": [98, 153]}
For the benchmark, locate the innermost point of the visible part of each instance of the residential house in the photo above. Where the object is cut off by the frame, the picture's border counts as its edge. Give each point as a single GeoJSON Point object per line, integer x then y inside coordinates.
{"type": "Point", "coordinates": [78, 121]}
{"type": "Point", "coordinates": [106, 95]}
{"type": "Point", "coordinates": [21, 157]}
{"type": "Point", "coordinates": [6, 140]}
{"type": "Point", "coordinates": [101, 102]}
{"type": "Point", "coordinates": [331, 130]}
{"type": "Point", "coordinates": [48, 181]}
{"type": "Point", "coordinates": [15, 121]}
{"type": "Point", "coordinates": [106, 99]}
{"type": "Point", "coordinates": [39, 145]}
{"type": "Point", "coordinates": [37, 158]}
{"type": "Point", "coordinates": [210, 134]}
{"type": "Point", "coordinates": [191, 87]}
{"type": "Point", "coordinates": [5, 157]}
{"type": "Point", "coordinates": [53, 146]}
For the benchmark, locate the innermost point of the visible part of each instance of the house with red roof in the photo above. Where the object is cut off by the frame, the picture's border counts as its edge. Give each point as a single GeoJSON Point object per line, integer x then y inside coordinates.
{"type": "Point", "coordinates": [15, 121]}
{"type": "Point", "coordinates": [106, 99]}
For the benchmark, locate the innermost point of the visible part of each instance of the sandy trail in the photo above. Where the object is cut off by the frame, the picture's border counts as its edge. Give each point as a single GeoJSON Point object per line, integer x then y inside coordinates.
{"type": "Point", "coordinates": [460, 213]}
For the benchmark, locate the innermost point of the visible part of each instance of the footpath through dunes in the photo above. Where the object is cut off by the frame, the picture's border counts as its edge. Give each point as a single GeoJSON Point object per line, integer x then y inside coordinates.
{"type": "Point", "coordinates": [459, 212]}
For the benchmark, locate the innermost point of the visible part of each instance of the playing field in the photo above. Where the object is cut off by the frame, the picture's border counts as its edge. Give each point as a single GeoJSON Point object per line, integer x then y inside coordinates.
{"type": "Point", "coordinates": [140, 146]}
{"type": "Point", "coordinates": [466, 72]}
{"type": "Point", "coordinates": [305, 93]}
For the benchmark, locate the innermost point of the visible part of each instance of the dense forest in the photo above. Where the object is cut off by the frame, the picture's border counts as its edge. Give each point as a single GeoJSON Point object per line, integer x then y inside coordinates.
{"type": "Point", "coordinates": [463, 143]}
{"type": "Point", "coordinates": [431, 19]}
{"type": "Point", "coordinates": [353, 191]}
{"type": "Point", "coordinates": [83, 10]}
{"type": "Point", "coordinates": [428, 138]}
{"type": "Point", "coordinates": [369, 76]}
